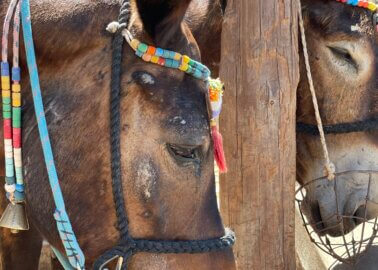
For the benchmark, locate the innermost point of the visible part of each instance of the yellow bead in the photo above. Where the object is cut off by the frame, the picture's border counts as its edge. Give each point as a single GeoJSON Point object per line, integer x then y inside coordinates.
{"type": "Point", "coordinates": [184, 66]}
{"type": "Point", "coordinates": [5, 93]}
{"type": "Point", "coordinates": [16, 87]}
{"type": "Point", "coordinates": [372, 6]}
{"type": "Point", "coordinates": [154, 59]}
{"type": "Point", "coordinates": [5, 82]}
{"type": "Point", "coordinates": [134, 44]}
{"type": "Point", "coordinates": [16, 99]}
{"type": "Point", "coordinates": [185, 59]}
{"type": "Point", "coordinates": [177, 57]}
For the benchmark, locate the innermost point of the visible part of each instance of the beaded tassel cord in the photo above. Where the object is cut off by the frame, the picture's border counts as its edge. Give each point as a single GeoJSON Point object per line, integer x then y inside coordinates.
{"type": "Point", "coordinates": [194, 68]}
{"type": "Point", "coordinates": [12, 108]}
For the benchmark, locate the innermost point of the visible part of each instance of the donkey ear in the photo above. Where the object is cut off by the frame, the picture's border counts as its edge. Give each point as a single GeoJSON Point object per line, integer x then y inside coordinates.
{"type": "Point", "coordinates": [162, 18]}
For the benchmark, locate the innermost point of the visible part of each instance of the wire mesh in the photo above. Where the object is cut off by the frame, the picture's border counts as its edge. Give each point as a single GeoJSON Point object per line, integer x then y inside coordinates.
{"type": "Point", "coordinates": [349, 247]}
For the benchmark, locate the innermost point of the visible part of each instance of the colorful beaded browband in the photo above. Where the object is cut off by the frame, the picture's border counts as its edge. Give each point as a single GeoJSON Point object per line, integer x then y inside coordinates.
{"type": "Point", "coordinates": [167, 58]}
{"type": "Point", "coordinates": [194, 68]}
{"type": "Point", "coordinates": [360, 3]}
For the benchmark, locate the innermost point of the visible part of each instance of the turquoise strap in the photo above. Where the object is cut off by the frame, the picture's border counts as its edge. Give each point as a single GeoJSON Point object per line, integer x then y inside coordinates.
{"type": "Point", "coordinates": [73, 251]}
{"type": "Point", "coordinates": [62, 259]}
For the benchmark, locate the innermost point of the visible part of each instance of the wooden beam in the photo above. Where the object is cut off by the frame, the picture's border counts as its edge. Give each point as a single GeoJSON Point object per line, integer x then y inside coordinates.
{"type": "Point", "coordinates": [260, 70]}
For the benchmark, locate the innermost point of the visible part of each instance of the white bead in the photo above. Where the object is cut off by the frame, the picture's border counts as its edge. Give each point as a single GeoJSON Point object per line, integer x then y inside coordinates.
{"type": "Point", "coordinates": [10, 188]}
{"type": "Point", "coordinates": [112, 27]}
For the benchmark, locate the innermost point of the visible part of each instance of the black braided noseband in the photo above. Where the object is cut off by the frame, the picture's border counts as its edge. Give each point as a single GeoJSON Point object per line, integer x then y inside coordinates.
{"type": "Point", "coordinates": [360, 126]}
{"type": "Point", "coordinates": [129, 246]}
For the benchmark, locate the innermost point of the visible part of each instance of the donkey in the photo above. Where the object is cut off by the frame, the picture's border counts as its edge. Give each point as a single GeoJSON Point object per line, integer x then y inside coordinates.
{"type": "Point", "coordinates": [343, 54]}
{"type": "Point", "coordinates": [167, 152]}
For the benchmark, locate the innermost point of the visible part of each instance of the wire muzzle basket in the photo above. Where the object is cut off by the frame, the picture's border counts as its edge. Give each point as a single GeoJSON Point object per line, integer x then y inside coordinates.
{"type": "Point", "coordinates": [357, 231]}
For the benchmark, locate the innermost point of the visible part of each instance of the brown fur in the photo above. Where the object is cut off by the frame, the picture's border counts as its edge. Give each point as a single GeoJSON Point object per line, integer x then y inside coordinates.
{"type": "Point", "coordinates": [164, 199]}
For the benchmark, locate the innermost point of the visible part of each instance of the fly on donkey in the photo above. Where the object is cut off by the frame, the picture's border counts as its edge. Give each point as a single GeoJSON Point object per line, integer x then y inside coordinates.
{"type": "Point", "coordinates": [145, 146]}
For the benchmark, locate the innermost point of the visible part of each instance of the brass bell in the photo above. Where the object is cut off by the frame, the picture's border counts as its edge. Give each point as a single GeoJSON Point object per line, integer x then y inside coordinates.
{"type": "Point", "coordinates": [14, 218]}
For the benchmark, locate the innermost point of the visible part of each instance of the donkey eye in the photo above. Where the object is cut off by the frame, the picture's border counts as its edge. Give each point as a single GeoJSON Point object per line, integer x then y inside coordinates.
{"type": "Point", "coordinates": [184, 153]}
{"type": "Point", "coordinates": [343, 55]}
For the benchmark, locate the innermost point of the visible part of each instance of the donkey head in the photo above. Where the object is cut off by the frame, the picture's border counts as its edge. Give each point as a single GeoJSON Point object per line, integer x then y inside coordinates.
{"type": "Point", "coordinates": [343, 53]}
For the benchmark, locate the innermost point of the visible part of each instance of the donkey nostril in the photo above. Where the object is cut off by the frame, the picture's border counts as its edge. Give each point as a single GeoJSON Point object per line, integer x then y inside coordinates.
{"type": "Point", "coordinates": [360, 215]}
{"type": "Point", "coordinates": [317, 218]}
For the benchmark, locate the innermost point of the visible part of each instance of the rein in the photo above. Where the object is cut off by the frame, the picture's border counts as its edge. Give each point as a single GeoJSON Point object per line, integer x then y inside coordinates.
{"type": "Point", "coordinates": [128, 246]}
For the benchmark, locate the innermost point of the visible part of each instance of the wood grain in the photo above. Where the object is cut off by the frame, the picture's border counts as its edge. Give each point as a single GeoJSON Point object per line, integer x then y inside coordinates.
{"type": "Point", "coordinates": [260, 70]}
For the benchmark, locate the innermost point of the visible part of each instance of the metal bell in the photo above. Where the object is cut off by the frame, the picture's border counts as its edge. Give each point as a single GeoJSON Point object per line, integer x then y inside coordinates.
{"type": "Point", "coordinates": [14, 218]}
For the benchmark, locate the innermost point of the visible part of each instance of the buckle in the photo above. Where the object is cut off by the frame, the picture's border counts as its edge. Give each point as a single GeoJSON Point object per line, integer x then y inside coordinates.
{"type": "Point", "coordinates": [118, 266]}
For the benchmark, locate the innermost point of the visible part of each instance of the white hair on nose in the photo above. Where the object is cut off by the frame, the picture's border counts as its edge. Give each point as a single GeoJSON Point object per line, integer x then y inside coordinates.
{"type": "Point", "coordinates": [147, 78]}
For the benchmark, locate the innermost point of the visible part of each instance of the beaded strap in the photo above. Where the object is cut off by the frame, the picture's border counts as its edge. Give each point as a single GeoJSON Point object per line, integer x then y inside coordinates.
{"type": "Point", "coordinates": [359, 3]}
{"type": "Point", "coordinates": [11, 98]}
{"type": "Point", "coordinates": [167, 58]}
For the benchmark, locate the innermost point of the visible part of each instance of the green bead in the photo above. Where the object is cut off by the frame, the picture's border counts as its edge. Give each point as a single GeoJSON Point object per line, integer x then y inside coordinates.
{"type": "Point", "coordinates": [16, 113]}
{"type": "Point", "coordinates": [6, 100]}
{"type": "Point", "coordinates": [7, 107]}
{"type": "Point", "coordinates": [142, 47]}
{"type": "Point", "coordinates": [16, 119]}
{"type": "Point", "coordinates": [7, 115]}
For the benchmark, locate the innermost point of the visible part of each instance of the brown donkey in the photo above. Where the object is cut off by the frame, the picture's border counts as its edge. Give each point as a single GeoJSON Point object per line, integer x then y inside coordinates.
{"type": "Point", "coordinates": [343, 53]}
{"type": "Point", "coordinates": [167, 152]}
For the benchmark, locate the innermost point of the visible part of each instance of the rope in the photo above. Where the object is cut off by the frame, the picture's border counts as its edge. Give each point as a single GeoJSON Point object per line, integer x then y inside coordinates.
{"type": "Point", "coordinates": [6, 26]}
{"type": "Point", "coordinates": [329, 166]}
{"type": "Point", "coordinates": [16, 35]}
{"type": "Point", "coordinates": [115, 123]}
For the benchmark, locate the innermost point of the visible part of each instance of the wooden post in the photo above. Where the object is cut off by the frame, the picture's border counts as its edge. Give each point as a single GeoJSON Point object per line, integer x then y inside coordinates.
{"type": "Point", "coordinates": [260, 70]}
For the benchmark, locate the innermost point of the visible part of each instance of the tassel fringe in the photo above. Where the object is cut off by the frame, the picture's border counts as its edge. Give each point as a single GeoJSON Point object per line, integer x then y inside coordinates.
{"type": "Point", "coordinates": [219, 155]}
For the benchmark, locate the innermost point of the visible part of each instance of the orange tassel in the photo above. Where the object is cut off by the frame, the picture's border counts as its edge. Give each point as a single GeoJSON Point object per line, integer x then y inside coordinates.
{"type": "Point", "coordinates": [218, 149]}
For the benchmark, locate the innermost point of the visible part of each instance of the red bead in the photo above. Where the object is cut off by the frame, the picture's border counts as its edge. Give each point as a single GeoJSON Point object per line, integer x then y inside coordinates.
{"type": "Point", "coordinates": [17, 137]}
{"type": "Point", "coordinates": [7, 128]}
{"type": "Point", "coordinates": [161, 61]}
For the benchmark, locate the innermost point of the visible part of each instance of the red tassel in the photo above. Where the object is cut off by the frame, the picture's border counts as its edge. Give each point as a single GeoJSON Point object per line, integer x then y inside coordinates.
{"type": "Point", "coordinates": [218, 149]}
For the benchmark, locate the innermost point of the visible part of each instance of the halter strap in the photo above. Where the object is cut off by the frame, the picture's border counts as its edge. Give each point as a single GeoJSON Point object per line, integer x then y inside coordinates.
{"type": "Point", "coordinates": [359, 126]}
